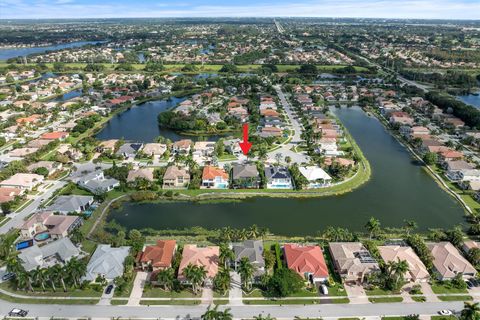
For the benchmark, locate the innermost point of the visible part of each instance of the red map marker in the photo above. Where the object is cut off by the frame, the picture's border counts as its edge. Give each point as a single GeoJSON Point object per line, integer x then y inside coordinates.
{"type": "Point", "coordinates": [245, 145]}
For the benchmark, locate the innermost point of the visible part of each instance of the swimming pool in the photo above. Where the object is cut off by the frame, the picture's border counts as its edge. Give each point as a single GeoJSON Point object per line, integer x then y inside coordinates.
{"type": "Point", "coordinates": [42, 236]}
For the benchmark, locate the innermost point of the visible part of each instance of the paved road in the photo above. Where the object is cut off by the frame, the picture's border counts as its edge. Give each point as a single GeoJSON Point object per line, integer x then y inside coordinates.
{"type": "Point", "coordinates": [248, 311]}
{"type": "Point", "coordinates": [17, 218]}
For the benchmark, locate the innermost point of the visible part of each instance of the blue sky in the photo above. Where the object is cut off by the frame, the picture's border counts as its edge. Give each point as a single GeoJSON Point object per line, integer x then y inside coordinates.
{"type": "Point", "coordinates": [422, 9]}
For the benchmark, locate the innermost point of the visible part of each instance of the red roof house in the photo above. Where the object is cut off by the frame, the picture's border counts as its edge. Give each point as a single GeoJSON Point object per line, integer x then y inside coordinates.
{"type": "Point", "coordinates": [158, 256]}
{"type": "Point", "coordinates": [307, 261]}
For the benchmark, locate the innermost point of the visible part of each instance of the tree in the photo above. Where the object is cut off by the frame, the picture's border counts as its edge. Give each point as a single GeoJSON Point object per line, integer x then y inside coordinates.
{"type": "Point", "coordinates": [215, 314]}
{"type": "Point", "coordinates": [284, 282]}
{"type": "Point", "coordinates": [262, 317]}
{"type": "Point", "coordinates": [471, 311]}
{"type": "Point", "coordinates": [166, 278]}
{"type": "Point", "coordinates": [269, 258]}
{"type": "Point", "coordinates": [222, 280]}
{"type": "Point", "coordinates": [229, 68]}
{"type": "Point", "coordinates": [226, 255]}
{"type": "Point", "coordinates": [246, 270]}
{"type": "Point", "coordinates": [136, 240]}
{"type": "Point", "coordinates": [195, 275]}
{"type": "Point", "coordinates": [410, 225]}
{"type": "Point", "coordinates": [430, 158]}
{"type": "Point", "coordinates": [308, 69]}
{"type": "Point", "coordinates": [373, 227]}
{"type": "Point", "coordinates": [39, 277]}
{"type": "Point", "coordinates": [23, 280]}
{"type": "Point", "coordinates": [76, 270]}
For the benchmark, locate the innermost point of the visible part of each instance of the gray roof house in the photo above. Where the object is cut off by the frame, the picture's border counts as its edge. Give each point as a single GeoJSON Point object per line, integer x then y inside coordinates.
{"type": "Point", "coordinates": [106, 262]}
{"type": "Point", "coordinates": [278, 178]}
{"type": "Point", "coordinates": [253, 250]}
{"type": "Point", "coordinates": [71, 203]}
{"type": "Point", "coordinates": [245, 176]}
{"type": "Point", "coordinates": [129, 150]}
{"type": "Point", "coordinates": [56, 252]}
{"type": "Point", "coordinates": [92, 179]}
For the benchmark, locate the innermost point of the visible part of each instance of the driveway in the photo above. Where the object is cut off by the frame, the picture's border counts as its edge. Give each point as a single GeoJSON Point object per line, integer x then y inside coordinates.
{"type": "Point", "coordinates": [106, 298]}
{"type": "Point", "coordinates": [137, 290]}
{"type": "Point", "coordinates": [356, 294]}
{"type": "Point", "coordinates": [428, 292]}
{"type": "Point", "coordinates": [235, 292]}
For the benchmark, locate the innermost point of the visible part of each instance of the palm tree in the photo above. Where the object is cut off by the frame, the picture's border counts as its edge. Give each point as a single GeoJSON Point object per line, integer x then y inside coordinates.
{"type": "Point", "coordinates": [246, 270]}
{"type": "Point", "coordinates": [410, 225]}
{"type": "Point", "coordinates": [166, 278]}
{"type": "Point", "coordinates": [399, 269]}
{"type": "Point", "coordinates": [211, 314]}
{"type": "Point", "coordinates": [76, 269]}
{"type": "Point", "coordinates": [38, 277]}
{"type": "Point", "coordinates": [471, 311]}
{"type": "Point", "coordinates": [59, 273]}
{"type": "Point", "coordinates": [51, 275]}
{"type": "Point", "coordinates": [195, 275]}
{"type": "Point", "coordinates": [226, 234]}
{"type": "Point", "coordinates": [226, 314]}
{"type": "Point", "coordinates": [226, 255]}
{"type": "Point", "coordinates": [254, 232]}
{"type": "Point", "coordinates": [23, 280]}
{"type": "Point", "coordinates": [222, 280]}
{"type": "Point", "coordinates": [373, 226]}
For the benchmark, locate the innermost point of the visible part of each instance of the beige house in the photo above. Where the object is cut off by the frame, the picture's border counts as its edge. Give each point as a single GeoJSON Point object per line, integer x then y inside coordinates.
{"type": "Point", "coordinates": [175, 177]}
{"type": "Point", "coordinates": [154, 149]}
{"type": "Point", "coordinates": [145, 173]}
{"type": "Point", "coordinates": [416, 269]}
{"type": "Point", "coordinates": [58, 226]}
{"type": "Point", "coordinates": [448, 261]}
{"type": "Point", "coordinates": [352, 261]}
{"type": "Point", "coordinates": [51, 166]}
{"type": "Point", "coordinates": [24, 181]}
{"type": "Point", "coordinates": [469, 245]}
{"type": "Point", "coordinates": [182, 146]}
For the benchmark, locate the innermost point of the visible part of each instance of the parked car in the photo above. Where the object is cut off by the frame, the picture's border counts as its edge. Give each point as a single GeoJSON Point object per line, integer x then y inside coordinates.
{"type": "Point", "coordinates": [8, 276]}
{"type": "Point", "coordinates": [18, 313]}
{"type": "Point", "coordinates": [469, 284]}
{"type": "Point", "coordinates": [445, 312]}
{"type": "Point", "coordinates": [109, 289]}
{"type": "Point", "coordinates": [324, 289]}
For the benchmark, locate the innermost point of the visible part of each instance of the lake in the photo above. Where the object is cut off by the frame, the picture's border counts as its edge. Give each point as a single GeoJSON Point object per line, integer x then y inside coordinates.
{"type": "Point", "coordinates": [8, 53]}
{"type": "Point", "coordinates": [399, 189]}
{"type": "Point", "coordinates": [140, 124]}
{"type": "Point", "coordinates": [471, 99]}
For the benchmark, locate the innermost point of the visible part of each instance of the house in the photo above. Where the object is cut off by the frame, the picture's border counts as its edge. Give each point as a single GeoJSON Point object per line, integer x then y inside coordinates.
{"type": "Point", "coordinates": [401, 117]}
{"type": "Point", "coordinates": [417, 272]}
{"type": "Point", "coordinates": [469, 245]}
{"type": "Point", "coordinates": [141, 173]}
{"type": "Point", "coordinates": [8, 194]}
{"type": "Point", "coordinates": [199, 256]}
{"type": "Point", "coordinates": [316, 177]}
{"type": "Point", "coordinates": [23, 181]}
{"type": "Point", "coordinates": [58, 226]}
{"type": "Point", "coordinates": [182, 146]}
{"type": "Point", "coordinates": [106, 262]}
{"type": "Point", "coordinates": [245, 176]}
{"type": "Point", "coordinates": [53, 253]}
{"type": "Point", "coordinates": [214, 178]}
{"type": "Point", "coordinates": [129, 150]}
{"type": "Point", "coordinates": [448, 261]}
{"type": "Point", "coordinates": [71, 204]}
{"type": "Point", "coordinates": [203, 148]}
{"type": "Point", "coordinates": [454, 167]}
{"type": "Point", "coordinates": [352, 261]}
{"type": "Point", "coordinates": [307, 261]}
{"type": "Point", "coordinates": [158, 256]}
{"type": "Point", "coordinates": [21, 152]}
{"type": "Point", "coordinates": [108, 145]}
{"type": "Point", "coordinates": [55, 135]}
{"type": "Point", "coordinates": [51, 166]}
{"type": "Point", "coordinates": [96, 182]}
{"type": "Point", "coordinates": [266, 132]}
{"type": "Point", "coordinates": [253, 250]}
{"type": "Point", "coordinates": [154, 149]}
{"type": "Point", "coordinates": [278, 178]}
{"type": "Point", "coordinates": [175, 177]}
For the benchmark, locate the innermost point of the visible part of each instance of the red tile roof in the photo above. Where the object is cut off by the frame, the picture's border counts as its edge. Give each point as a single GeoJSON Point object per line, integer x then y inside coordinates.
{"type": "Point", "coordinates": [54, 135]}
{"type": "Point", "coordinates": [302, 259]}
{"type": "Point", "coordinates": [159, 255]}
{"type": "Point", "coordinates": [210, 172]}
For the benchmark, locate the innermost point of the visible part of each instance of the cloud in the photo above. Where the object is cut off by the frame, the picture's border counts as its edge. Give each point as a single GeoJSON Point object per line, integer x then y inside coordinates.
{"type": "Point", "coordinates": [419, 9]}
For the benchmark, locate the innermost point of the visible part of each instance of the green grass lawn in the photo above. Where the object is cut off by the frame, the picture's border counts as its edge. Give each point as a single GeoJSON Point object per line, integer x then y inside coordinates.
{"type": "Point", "coordinates": [169, 302]}
{"type": "Point", "coordinates": [118, 302]}
{"type": "Point", "coordinates": [385, 300]}
{"type": "Point", "coordinates": [440, 288]}
{"type": "Point", "coordinates": [455, 298]}
{"type": "Point", "coordinates": [379, 292]}
{"type": "Point", "coordinates": [281, 302]}
{"type": "Point", "coordinates": [157, 292]}
{"type": "Point", "coordinates": [419, 299]}
{"type": "Point", "coordinates": [48, 301]}
{"type": "Point", "coordinates": [10, 286]}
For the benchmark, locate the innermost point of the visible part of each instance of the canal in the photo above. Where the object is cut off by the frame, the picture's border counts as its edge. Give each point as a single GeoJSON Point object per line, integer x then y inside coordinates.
{"type": "Point", "coordinates": [7, 53]}
{"type": "Point", "coordinates": [399, 189]}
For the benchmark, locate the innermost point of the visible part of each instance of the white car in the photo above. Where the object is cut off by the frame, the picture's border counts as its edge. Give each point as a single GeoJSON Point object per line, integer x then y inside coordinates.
{"type": "Point", "coordinates": [324, 289]}
{"type": "Point", "coordinates": [445, 312]}
{"type": "Point", "coordinates": [18, 313]}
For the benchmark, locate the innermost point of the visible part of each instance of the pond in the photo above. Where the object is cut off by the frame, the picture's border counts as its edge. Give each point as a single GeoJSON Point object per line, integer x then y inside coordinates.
{"type": "Point", "coordinates": [399, 189]}
{"type": "Point", "coordinates": [140, 124]}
